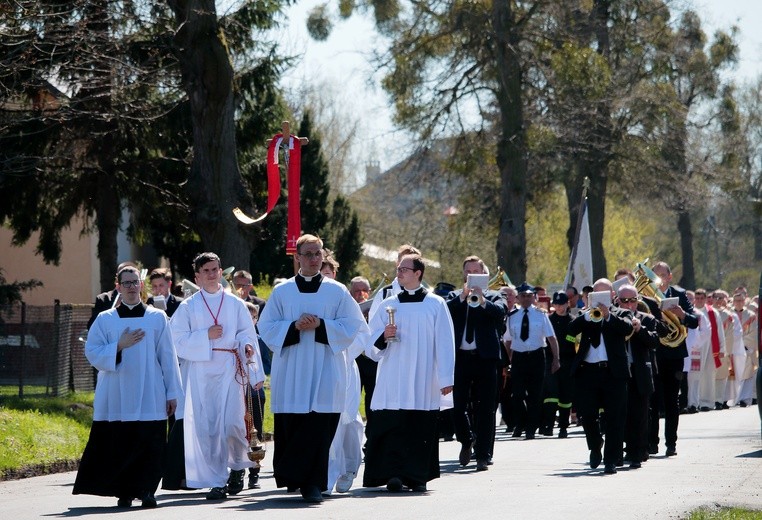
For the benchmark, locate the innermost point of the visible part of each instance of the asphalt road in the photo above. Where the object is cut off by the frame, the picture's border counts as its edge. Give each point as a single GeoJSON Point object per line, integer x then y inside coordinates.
{"type": "Point", "coordinates": [718, 463]}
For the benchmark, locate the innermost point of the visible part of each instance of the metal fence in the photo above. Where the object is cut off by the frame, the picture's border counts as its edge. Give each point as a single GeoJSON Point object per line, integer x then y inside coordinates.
{"type": "Point", "coordinates": [42, 349]}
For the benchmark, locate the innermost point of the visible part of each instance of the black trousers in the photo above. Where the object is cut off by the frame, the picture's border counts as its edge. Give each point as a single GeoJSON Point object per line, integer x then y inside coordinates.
{"type": "Point", "coordinates": [475, 383]}
{"type": "Point", "coordinates": [565, 391]}
{"type": "Point", "coordinates": [667, 382]}
{"type": "Point", "coordinates": [367, 368]}
{"type": "Point", "coordinates": [636, 435]}
{"type": "Point", "coordinates": [528, 376]}
{"type": "Point", "coordinates": [596, 388]}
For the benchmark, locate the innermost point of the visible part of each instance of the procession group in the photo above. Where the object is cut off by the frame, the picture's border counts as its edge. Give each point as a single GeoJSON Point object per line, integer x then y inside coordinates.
{"type": "Point", "coordinates": [427, 359]}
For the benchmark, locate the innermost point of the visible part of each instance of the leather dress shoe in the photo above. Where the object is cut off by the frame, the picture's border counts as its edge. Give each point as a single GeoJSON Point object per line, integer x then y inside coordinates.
{"type": "Point", "coordinates": [704, 409]}
{"type": "Point", "coordinates": [465, 453]}
{"type": "Point", "coordinates": [253, 480]}
{"type": "Point", "coordinates": [418, 488]}
{"type": "Point", "coordinates": [529, 436]}
{"type": "Point", "coordinates": [124, 502]}
{"type": "Point", "coordinates": [671, 452]}
{"type": "Point", "coordinates": [609, 469]}
{"type": "Point", "coordinates": [595, 458]}
{"type": "Point", "coordinates": [517, 432]}
{"type": "Point", "coordinates": [217, 493]}
{"type": "Point", "coordinates": [562, 433]}
{"type": "Point", "coordinates": [148, 501]}
{"type": "Point", "coordinates": [394, 485]}
{"type": "Point", "coordinates": [635, 464]}
{"type": "Point", "coordinates": [311, 494]}
{"type": "Point", "coordinates": [482, 465]}
{"type": "Point", "coordinates": [653, 449]}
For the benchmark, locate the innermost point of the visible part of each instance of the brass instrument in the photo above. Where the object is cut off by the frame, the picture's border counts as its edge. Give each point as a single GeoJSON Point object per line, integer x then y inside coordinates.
{"type": "Point", "coordinates": [474, 300]}
{"type": "Point", "coordinates": [381, 284]}
{"type": "Point", "coordinates": [227, 278]}
{"type": "Point", "coordinates": [499, 280]}
{"type": "Point", "coordinates": [647, 284]}
{"type": "Point", "coordinates": [595, 314]}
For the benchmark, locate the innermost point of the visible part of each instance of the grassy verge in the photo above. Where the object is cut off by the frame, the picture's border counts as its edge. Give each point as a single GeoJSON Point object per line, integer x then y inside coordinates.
{"type": "Point", "coordinates": [725, 513]}
{"type": "Point", "coordinates": [41, 435]}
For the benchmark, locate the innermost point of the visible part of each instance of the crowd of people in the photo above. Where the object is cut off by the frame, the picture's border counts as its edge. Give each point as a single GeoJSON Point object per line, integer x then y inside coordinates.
{"type": "Point", "coordinates": [179, 395]}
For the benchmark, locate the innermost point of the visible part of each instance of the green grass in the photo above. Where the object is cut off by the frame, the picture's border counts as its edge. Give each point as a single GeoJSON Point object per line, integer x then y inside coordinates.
{"type": "Point", "coordinates": [725, 513]}
{"type": "Point", "coordinates": [43, 431]}
{"type": "Point", "coordinates": [39, 433]}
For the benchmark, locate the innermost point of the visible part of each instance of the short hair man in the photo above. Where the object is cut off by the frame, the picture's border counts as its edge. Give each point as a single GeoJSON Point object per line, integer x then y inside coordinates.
{"type": "Point", "coordinates": [394, 287]}
{"type": "Point", "coordinates": [416, 357]}
{"type": "Point", "coordinates": [308, 322]}
{"type": "Point", "coordinates": [244, 288]}
{"type": "Point", "coordinates": [218, 345]}
{"type": "Point", "coordinates": [477, 330]}
{"type": "Point", "coordinates": [138, 388]}
{"type": "Point", "coordinates": [601, 370]}
{"type": "Point", "coordinates": [109, 299]}
{"type": "Point", "coordinates": [161, 286]}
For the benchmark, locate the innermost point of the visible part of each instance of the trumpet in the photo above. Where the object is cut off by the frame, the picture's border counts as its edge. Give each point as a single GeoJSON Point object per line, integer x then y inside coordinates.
{"type": "Point", "coordinates": [475, 300]}
{"type": "Point", "coordinates": [595, 314]}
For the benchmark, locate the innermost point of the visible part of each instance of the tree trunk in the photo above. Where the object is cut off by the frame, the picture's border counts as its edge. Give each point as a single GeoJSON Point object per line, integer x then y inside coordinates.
{"type": "Point", "coordinates": [686, 248]}
{"type": "Point", "coordinates": [107, 218]}
{"type": "Point", "coordinates": [511, 148]}
{"type": "Point", "coordinates": [215, 185]}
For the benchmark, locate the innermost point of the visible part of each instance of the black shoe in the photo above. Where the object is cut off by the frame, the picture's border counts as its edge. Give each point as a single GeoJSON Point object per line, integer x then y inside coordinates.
{"type": "Point", "coordinates": [418, 488]}
{"type": "Point", "coordinates": [394, 485]}
{"type": "Point", "coordinates": [489, 461]}
{"type": "Point", "coordinates": [562, 433]}
{"type": "Point", "coordinates": [671, 452]}
{"type": "Point", "coordinates": [124, 502]}
{"type": "Point", "coordinates": [725, 406]}
{"type": "Point", "coordinates": [235, 482]}
{"type": "Point", "coordinates": [692, 409]}
{"type": "Point", "coordinates": [635, 465]}
{"type": "Point", "coordinates": [705, 409]}
{"type": "Point", "coordinates": [717, 405]}
{"type": "Point", "coordinates": [311, 494]}
{"type": "Point", "coordinates": [217, 493]}
{"type": "Point", "coordinates": [465, 453]}
{"type": "Point", "coordinates": [547, 432]}
{"type": "Point", "coordinates": [609, 469]}
{"type": "Point", "coordinates": [529, 436]}
{"type": "Point", "coordinates": [517, 432]}
{"type": "Point", "coordinates": [253, 480]}
{"type": "Point", "coordinates": [596, 457]}
{"type": "Point", "coordinates": [148, 502]}
{"type": "Point", "coordinates": [653, 449]}
{"type": "Point", "coordinates": [481, 465]}
{"type": "Point", "coordinates": [619, 463]}
{"type": "Point", "coordinates": [754, 401]}
{"type": "Point", "coordinates": [742, 404]}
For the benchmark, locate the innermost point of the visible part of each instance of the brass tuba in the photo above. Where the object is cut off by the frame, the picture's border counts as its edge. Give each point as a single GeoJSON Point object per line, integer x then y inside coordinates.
{"type": "Point", "coordinates": [647, 284]}
{"type": "Point", "coordinates": [499, 280]}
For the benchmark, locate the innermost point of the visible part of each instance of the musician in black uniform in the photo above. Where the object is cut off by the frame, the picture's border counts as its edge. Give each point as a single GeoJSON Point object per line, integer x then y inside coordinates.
{"type": "Point", "coordinates": [477, 358]}
{"type": "Point", "coordinates": [600, 370]}
{"type": "Point", "coordinates": [643, 343]}
{"type": "Point", "coordinates": [669, 362]}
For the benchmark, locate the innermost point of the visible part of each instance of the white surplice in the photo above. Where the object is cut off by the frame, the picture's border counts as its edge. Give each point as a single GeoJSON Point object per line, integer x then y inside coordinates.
{"type": "Point", "coordinates": [310, 376]}
{"type": "Point", "coordinates": [413, 370]}
{"type": "Point", "coordinates": [139, 386]}
{"type": "Point", "coordinates": [214, 408]}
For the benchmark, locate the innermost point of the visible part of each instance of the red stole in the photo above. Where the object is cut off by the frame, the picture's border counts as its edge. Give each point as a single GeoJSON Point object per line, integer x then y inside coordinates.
{"type": "Point", "coordinates": [715, 336]}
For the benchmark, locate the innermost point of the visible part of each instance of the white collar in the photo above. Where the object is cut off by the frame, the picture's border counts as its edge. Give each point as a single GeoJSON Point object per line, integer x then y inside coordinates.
{"type": "Point", "coordinates": [130, 306]}
{"type": "Point", "coordinates": [412, 291]}
{"type": "Point", "coordinates": [308, 278]}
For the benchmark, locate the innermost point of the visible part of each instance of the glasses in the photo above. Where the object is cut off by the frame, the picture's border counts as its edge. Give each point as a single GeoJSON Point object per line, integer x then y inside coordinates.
{"type": "Point", "coordinates": [241, 285]}
{"type": "Point", "coordinates": [129, 284]}
{"type": "Point", "coordinates": [627, 300]}
{"type": "Point", "coordinates": [310, 256]}
{"type": "Point", "coordinates": [403, 269]}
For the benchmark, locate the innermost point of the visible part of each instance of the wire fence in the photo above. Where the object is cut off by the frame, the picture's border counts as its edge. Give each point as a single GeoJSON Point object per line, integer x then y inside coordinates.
{"type": "Point", "coordinates": [42, 349]}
